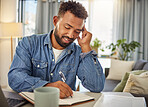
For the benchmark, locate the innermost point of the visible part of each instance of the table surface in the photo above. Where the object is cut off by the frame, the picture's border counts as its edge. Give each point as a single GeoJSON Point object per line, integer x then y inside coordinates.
{"type": "Point", "coordinates": [89, 103]}
{"type": "Point", "coordinates": [12, 94]}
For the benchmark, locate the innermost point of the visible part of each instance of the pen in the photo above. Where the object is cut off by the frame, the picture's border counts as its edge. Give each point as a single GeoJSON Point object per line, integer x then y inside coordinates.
{"type": "Point", "coordinates": [63, 77]}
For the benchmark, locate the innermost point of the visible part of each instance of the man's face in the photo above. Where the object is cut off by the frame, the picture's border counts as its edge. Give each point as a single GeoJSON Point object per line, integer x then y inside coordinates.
{"type": "Point", "coordinates": [59, 39]}
{"type": "Point", "coordinates": [67, 29]}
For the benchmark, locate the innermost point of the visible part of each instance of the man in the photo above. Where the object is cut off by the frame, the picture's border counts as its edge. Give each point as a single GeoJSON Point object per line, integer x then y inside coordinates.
{"type": "Point", "coordinates": [39, 59]}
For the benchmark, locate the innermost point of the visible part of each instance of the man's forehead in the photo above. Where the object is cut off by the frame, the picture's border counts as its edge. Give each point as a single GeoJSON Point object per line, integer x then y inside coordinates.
{"type": "Point", "coordinates": [72, 20]}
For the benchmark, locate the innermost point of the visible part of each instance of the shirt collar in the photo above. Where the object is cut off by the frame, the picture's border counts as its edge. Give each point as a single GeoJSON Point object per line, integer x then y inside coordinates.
{"type": "Point", "coordinates": [70, 48]}
{"type": "Point", "coordinates": [48, 42]}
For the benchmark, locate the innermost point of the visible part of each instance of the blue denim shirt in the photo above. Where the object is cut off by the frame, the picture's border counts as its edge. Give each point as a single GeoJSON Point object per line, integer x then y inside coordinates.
{"type": "Point", "coordinates": [34, 66]}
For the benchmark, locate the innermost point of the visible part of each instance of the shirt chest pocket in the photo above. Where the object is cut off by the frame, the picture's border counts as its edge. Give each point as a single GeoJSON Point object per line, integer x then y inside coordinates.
{"type": "Point", "coordinates": [39, 68]}
{"type": "Point", "coordinates": [67, 67]}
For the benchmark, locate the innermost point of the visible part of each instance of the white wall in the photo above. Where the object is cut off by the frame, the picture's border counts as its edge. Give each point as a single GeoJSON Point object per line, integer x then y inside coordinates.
{"type": "Point", "coordinates": [7, 14]}
{"type": "Point", "coordinates": [0, 10]}
{"type": "Point", "coordinates": [8, 10]}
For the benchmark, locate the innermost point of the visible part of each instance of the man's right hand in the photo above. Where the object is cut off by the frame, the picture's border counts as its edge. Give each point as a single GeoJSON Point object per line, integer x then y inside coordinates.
{"type": "Point", "coordinates": [65, 90]}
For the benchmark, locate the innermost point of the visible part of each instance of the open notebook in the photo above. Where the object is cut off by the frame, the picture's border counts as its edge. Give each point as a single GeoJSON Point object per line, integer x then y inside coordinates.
{"type": "Point", "coordinates": [77, 98]}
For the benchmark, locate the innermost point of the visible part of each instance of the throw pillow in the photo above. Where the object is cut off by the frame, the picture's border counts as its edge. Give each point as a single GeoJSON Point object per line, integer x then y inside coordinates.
{"type": "Point", "coordinates": [121, 85]}
{"type": "Point", "coordinates": [137, 84]}
{"type": "Point", "coordinates": [119, 68]}
{"type": "Point", "coordinates": [145, 66]}
{"type": "Point", "coordinates": [139, 65]}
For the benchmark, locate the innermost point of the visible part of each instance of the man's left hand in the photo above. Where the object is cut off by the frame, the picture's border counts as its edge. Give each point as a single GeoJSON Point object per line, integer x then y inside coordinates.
{"type": "Point", "coordinates": [84, 42]}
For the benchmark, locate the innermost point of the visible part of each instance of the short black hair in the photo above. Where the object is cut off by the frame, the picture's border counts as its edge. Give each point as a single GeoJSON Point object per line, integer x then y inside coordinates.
{"type": "Point", "coordinates": [73, 7]}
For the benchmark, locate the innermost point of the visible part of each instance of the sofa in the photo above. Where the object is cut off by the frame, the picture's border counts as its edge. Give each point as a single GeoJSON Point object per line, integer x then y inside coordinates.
{"type": "Point", "coordinates": [110, 84]}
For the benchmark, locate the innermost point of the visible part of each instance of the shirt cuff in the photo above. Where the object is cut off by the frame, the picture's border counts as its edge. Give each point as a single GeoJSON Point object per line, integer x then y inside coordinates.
{"type": "Point", "coordinates": [92, 52]}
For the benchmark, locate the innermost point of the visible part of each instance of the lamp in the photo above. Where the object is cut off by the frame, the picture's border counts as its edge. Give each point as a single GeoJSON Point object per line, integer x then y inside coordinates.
{"type": "Point", "coordinates": [11, 30]}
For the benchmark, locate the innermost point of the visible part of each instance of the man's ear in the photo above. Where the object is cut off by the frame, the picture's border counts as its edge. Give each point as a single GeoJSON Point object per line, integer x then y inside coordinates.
{"type": "Point", "coordinates": [55, 20]}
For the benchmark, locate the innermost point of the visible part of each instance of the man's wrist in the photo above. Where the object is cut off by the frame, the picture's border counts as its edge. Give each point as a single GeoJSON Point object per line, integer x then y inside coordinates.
{"type": "Point", "coordinates": [86, 49]}
{"type": "Point", "coordinates": [47, 85]}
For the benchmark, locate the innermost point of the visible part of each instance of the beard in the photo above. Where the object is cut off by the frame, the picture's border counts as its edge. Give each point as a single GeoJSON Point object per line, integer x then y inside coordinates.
{"type": "Point", "coordinates": [59, 40]}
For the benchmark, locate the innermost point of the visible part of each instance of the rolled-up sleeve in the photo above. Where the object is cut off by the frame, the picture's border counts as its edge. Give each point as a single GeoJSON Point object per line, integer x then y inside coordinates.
{"type": "Point", "coordinates": [90, 72]}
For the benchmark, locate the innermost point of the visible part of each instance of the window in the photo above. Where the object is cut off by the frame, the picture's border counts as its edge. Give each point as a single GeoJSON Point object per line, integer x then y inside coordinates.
{"type": "Point", "coordinates": [27, 15]}
{"type": "Point", "coordinates": [100, 20]}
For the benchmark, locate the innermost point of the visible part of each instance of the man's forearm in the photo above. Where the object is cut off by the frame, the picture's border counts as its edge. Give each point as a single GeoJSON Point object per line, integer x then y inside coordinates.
{"type": "Point", "coordinates": [91, 73]}
{"type": "Point", "coordinates": [20, 81]}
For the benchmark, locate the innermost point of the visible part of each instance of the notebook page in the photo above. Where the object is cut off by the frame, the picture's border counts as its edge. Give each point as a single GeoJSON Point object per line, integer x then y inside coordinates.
{"type": "Point", "coordinates": [77, 98]}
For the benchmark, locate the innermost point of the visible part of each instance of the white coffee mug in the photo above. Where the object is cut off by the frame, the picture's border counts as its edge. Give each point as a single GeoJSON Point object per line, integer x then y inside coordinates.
{"type": "Point", "coordinates": [46, 97]}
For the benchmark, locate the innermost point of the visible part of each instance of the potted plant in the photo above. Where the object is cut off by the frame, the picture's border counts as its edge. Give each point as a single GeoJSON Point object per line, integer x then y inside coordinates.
{"type": "Point", "coordinates": [96, 44]}
{"type": "Point", "coordinates": [125, 50]}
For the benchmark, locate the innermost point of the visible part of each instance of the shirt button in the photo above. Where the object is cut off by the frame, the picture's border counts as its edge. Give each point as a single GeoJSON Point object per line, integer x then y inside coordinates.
{"type": "Point", "coordinates": [69, 51]}
{"type": "Point", "coordinates": [51, 74]}
{"type": "Point", "coordinates": [95, 62]}
{"type": "Point", "coordinates": [38, 66]}
{"type": "Point", "coordinates": [52, 59]}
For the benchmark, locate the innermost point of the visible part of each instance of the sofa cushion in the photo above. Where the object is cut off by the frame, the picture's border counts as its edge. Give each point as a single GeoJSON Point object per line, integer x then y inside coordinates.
{"type": "Point", "coordinates": [121, 85]}
{"type": "Point", "coordinates": [137, 84]}
{"type": "Point", "coordinates": [139, 65]}
{"type": "Point", "coordinates": [119, 68]}
{"type": "Point", "coordinates": [145, 66]}
{"type": "Point", "coordinates": [110, 85]}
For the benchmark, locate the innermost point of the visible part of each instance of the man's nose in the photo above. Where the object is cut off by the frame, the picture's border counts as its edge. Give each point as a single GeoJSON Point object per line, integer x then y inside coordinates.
{"type": "Point", "coordinates": [71, 34]}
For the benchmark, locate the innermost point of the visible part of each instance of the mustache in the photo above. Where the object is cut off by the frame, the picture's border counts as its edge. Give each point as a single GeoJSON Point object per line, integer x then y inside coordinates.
{"type": "Point", "coordinates": [72, 39]}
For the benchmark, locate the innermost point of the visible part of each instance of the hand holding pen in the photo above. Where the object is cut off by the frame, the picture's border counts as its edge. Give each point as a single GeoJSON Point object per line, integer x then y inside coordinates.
{"type": "Point", "coordinates": [62, 77]}
{"type": "Point", "coordinates": [65, 90]}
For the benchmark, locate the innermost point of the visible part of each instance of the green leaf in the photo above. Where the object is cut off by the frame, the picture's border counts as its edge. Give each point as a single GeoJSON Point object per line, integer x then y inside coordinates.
{"type": "Point", "coordinates": [125, 50]}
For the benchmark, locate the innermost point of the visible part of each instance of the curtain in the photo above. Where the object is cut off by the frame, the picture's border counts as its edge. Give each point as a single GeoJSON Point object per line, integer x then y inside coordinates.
{"type": "Point", "coordinates": [130, 21]}
{"type": "Point", "coordinates": [46, 9]}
